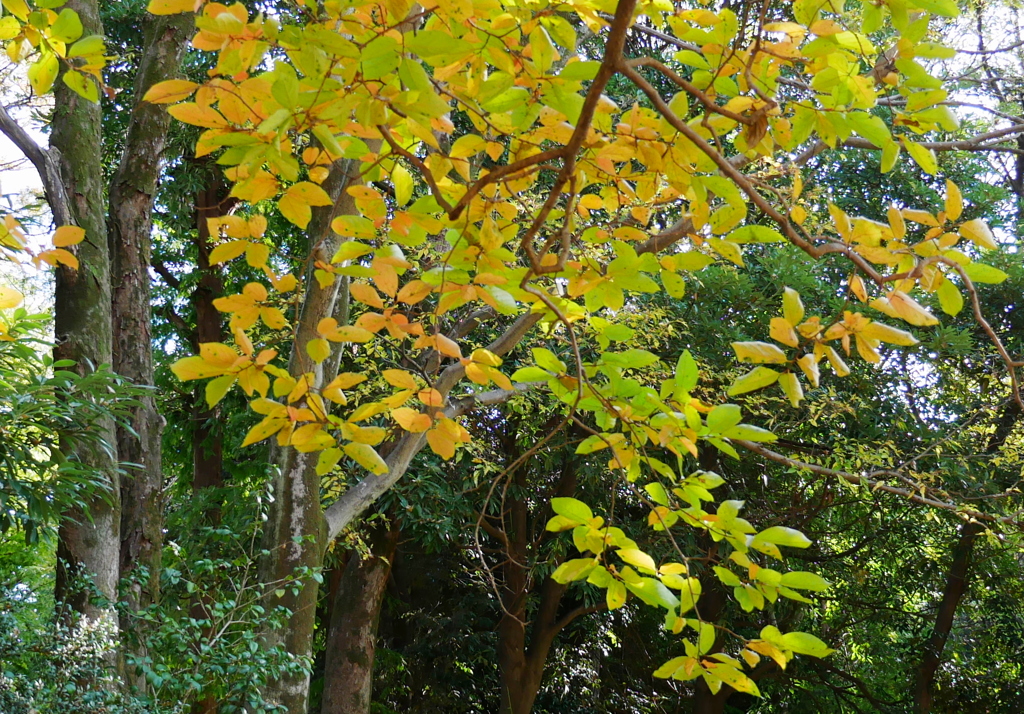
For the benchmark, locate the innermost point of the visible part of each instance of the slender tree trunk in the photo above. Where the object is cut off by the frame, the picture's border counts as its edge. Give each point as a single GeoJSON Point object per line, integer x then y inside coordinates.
{"type": "Point", "coordinates": [132, 193]}
{"type": "Point", "coordinates": [956, 586]}
{"type": "Point", "coordinates": [958, 577]}
{"type": "Point", "coordinates": [351, 640]}
{"type": "Point", "coordinates": [88, 545]}
{"type": "Point", "coordinates": [521, 658]}
{"type": "Point", "coordinates": [207, 444]}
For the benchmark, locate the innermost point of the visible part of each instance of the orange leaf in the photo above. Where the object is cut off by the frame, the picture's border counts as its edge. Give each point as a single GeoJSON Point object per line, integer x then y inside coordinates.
{"type": "Point", "coordinates": [411, 420]}
{"type": "Point", "coordinates": [364, 293]}
{"type": "Point", "coordinates": [68, 235]}
{"type": "Point", "coordinates": [173, 90]}
{"type": "Point", "coordinates": [441, 444]}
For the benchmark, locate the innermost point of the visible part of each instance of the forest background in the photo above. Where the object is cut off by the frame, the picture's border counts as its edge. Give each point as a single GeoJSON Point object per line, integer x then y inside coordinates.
{"type": "Point", "coordinates": [362, 311]}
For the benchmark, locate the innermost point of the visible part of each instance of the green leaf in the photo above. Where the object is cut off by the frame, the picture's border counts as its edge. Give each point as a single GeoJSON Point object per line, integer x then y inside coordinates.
{"type": "Point", "coordinates": [686, 372]}
{"type": "Point", "coordinates": [801, 580]}
{"type": "Point", "coordinates": [531, 374]}
{"type": "Point", "coordinates": [81, 85]}
{"type": "Point", "coordinates": [748, 432]}
{"type": "Point", "coordinates": [780, 535]}
{"type": "Point", "coordinates": [572, 509]}
{"type": "Point", "coordinates": [950, 299]}
{"type": "Point", "coordinates": [593, 443]}
{"type": "Point", "coordinates": [872, 128]}
{"type": "Point", "coordinates": [573, 570]}
{"type": "Point", "coordinates": [546, 359]}
{"type": "Point", "coordinates": [943, 8]}
{"type": "Point", "coordinates": [757, 378]}
{"type": "Point", "coordinates": [654, 593]}
{"type": "Point", "coordinates": [805, 644]}
{"type": "Point", "coordinates": [68, 26]}
{"type": "Point", "coordinates": [724, 417]}
{"type": "Point", "coordinates": [756, 234]}
{"type": "Point", "coordinates": [981, 273]}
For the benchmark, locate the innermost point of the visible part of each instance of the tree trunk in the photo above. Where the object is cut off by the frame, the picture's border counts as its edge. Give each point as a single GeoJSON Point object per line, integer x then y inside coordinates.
{"type": "Point", "coordinates": [207, 444]}
{"type": "Point", "coordinates": [132, 193]}
{"type": "Point", "coordinates": [956, 585]}
{"type": "Point", "coordinates": [520, 660]}
{"type": "Point", "coordinates": [295, 536]}
{"type": "Point", "coordinates": [351, 640]}
{"type": "Point", "coordinates": [88, 545]}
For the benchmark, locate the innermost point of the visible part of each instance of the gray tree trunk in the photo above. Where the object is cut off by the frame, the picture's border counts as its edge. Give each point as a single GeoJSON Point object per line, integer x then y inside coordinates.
{"type": "Point", "coordinates": [132, 193]}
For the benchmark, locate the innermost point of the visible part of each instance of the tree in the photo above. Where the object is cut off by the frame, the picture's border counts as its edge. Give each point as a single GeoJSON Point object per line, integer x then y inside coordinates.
{"type": "Point", "coordinates": [479, 186]}
{"type": "Point", "coordinates": [394, 116]}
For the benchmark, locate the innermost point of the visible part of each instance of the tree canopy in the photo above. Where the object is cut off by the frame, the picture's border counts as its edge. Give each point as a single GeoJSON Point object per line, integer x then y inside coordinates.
{"type": "Point", "coordinates": [627, 315]}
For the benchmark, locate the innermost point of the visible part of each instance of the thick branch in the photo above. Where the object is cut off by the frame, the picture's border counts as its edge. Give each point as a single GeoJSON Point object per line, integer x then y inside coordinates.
{"type": "Point", "coordinates": [358, 498]}
{"type": "Point", "coordinates": [47, 164]}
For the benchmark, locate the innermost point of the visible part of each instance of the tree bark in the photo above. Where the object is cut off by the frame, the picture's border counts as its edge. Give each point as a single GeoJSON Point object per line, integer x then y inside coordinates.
{"type": "Point", "coordinates": [295, 535]}
{"type": "Point", "coordinates": [88, 545]}
{"type": "Point", "coordinates": [351, 640]}
{"type": "Point", "coordinates": [130, 223]}
{"type": "Point", "coordinates": [956, 584]}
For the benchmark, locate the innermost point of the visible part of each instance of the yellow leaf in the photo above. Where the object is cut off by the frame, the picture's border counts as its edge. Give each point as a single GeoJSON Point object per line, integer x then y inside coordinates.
{"type": "Point", "coordinates": [790, 384]}
{"type": "Point", "coordinates": [759, 352]}
{"type": "Point", "coordinates": [364, 293]}
{"type": "Point", "coordinates": [318, 350]}
{"type": "Point", "coordinates": [411, 420]}
{"type": "Point", "coordinates": [954, 201]}
{"type": "Point", "coordinates": [18, 8]}
{"type": "Point", "coordinates": [402, 180]}
{"type": "Point", "coordinates": [809, 365]}
{"type": "Point", "coordinates": [485, 357]}
{"type": "Point", "coordinates": [346, 380]}
{"type": "Point", "coordinates": [978, 232]}
{"type": "Point", "coordinates": [884, 333]}
{"type": "Point", "coordinates": [273, 318]}
{"type": "Point", "coordinates": [172, 7]}
{"type": "Point", "coordinates": [365, 456]}
{"type": "Point", "coordinates": [227, 251]}
{"type": "Point", "coordinates": [265, 429]}
{"type": "Point", "coordinates": [349, 333]}
{"type": "Point", "coordinates": [10, 298]}
{"type": "Point", "coordinates": [217, 388]}
{"type": "Point", "coordinates": [257, 254]}
{"type": "Point", "coordinates": [414, 292]}
{"type": "Point", "coordinates": [782, 331]}
{"type": "Point", "coordinates": [906, 308]}
{"type": "Point", "coordinates": [68, 235]}
{"type": "Point", "coordinates": [189, 368]}
{"type": "Point", "coordinates": [295, 210]}
{"type": "Point", "coordinates": [192, 113]}
{"type": "Point", "coordinates": [42, 72]}
{"type": "Point", "coordinates": [170, 91]}
{"type": "Point", "coordinates": [431, 397]}
{"type": "Point", "coordinates": [399, 378]}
